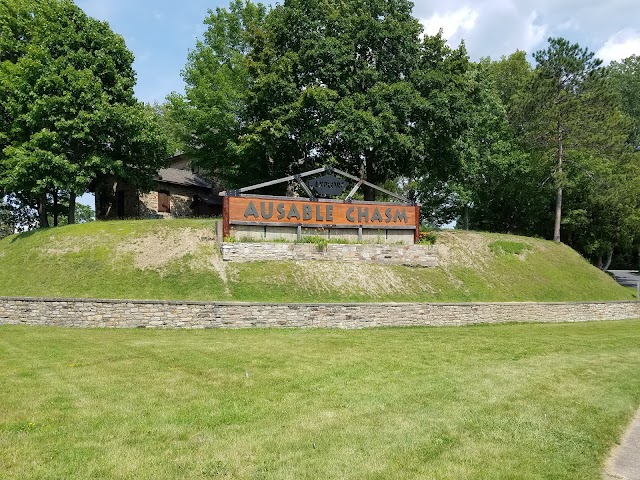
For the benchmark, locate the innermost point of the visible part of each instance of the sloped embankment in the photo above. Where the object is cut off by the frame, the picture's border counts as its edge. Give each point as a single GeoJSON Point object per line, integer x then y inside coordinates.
{"type": "Point", "coordinates": [178, 259]}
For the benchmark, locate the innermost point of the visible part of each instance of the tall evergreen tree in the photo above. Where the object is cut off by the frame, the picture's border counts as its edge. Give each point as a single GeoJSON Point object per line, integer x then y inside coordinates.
{"type": "Point", "coordinates": [570, 108]}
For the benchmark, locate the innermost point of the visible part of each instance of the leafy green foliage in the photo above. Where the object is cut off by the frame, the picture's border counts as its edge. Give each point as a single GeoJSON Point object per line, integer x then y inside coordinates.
{"type": "Point", "coordinates": [427, 236]}
{"type": "Point", "coordinates": [69, 116]}
{"type": "Point", "coordinates": [211, 117]}
{"type": "Point", "coordinates": [84, 214]}
{"type": "Point", "coordinates": [572, 109]}
{"type": "Point", "coordinates": [494, 176]}
{"type": "Point", "coordinates": [16, 215]}
{"type": "Point", "coordinates": [322, 83]}
{"type": "Point", "coordinates": [625, 77]}
{"type": "Point", "coordinates": [559, 131]}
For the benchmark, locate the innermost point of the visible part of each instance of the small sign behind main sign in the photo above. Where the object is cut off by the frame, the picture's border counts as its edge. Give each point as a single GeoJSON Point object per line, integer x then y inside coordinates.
{"type": "Point", "coordinates": [327, 185]}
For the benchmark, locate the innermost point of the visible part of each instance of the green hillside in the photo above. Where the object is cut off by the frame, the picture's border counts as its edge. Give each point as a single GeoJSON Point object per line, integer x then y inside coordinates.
{"type": "Point", "coordinates": [179, 259]}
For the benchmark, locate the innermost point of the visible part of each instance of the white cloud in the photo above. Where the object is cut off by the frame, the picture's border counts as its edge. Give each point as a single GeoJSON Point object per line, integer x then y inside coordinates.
{"type": "Point", "coordinates": [499, 27]}
{"type": "Point", "coordinates": [451, 22]}
{"type": "Point", "coordinates": [620, 45]}
{"type": "Point", "coordinates": [568, 25]}
{"type": "Point", "coordinates": [535, 33]}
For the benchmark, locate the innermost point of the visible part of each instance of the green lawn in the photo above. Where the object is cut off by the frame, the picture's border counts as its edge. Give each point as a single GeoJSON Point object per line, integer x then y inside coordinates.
{"type": "Point", "coordinates": [539, 401]}
{"type": "Point", "coordinates": [152, 259]}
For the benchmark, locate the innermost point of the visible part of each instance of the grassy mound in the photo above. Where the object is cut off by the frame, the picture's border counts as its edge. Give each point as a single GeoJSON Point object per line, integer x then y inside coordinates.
{"type": "Point", "coordinates": [179, 259]}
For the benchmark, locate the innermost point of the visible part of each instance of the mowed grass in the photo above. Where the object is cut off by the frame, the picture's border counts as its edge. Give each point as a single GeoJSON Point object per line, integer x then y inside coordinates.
{"type": "Point", "coordinates": [180, 260]}
{"type": "Point", "coordinates": [474, 267]}
{"type": "Point", "coordinates": [534, 401]}
{"type": "Point", "coordinates": [98, 259]}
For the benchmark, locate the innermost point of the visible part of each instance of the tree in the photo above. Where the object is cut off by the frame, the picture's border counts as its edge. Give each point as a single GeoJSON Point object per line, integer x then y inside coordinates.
{"type": "Point", "coordinates": [211, 117]}
{"type": "Point", "coordinates": [172, 128]}
{"type": "Point", "coordinates": [351, 84]}
{"type": "Point", "coordinates": [83, 214]}
{"type": "Point", "coordinates": [625, 78]}
{"type": "Point", "coordinates": [16, 215]}
{"type": "Point", "coordinates": [68, 114]}
{"type": "Point", "coordinates": [505, 177]}
{"type": "Point", "coordinates": [315, 82]}
{"type": "Point", "coordinates": [497, 187]}
{"type": "Point", "coordinates": [570, 106]}
{"type": "Point", "coordinates": [511, 76]}
{"type": "Point", "coordinates": [7, 223]}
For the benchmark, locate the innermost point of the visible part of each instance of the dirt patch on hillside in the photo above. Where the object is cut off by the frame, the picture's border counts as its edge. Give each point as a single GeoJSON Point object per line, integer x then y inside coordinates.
{"type": "Point", "coordinates": [355, 278]}
{"type": "Point", "coordinates": [470, 250]}
{"type": "Point", "coordinates": [155, 250]}
{"type": "Point", "coordinates": [63, 245]}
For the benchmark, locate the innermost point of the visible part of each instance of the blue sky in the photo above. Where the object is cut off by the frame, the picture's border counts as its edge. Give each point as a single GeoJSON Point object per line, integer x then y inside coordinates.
{"type": "Point", "coordinates": [159, 33]}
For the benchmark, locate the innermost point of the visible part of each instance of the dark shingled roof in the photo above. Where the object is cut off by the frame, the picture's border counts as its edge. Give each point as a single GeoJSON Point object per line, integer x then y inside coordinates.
{"type": "Point", "coordinates": [181, 177]}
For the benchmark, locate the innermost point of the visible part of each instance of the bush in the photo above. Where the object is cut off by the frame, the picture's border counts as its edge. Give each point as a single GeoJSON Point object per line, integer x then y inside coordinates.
{"type": "Point", "coordinates": [427, 236]}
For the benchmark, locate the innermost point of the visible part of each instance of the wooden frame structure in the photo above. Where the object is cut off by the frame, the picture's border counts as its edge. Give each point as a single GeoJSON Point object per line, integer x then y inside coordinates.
{"type": "Point", "coordinates": [314, 212]}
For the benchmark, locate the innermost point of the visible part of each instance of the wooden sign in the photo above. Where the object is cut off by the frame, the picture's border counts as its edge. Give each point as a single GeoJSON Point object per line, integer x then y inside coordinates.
{"type": "Point", "coordinates": [284, 211]}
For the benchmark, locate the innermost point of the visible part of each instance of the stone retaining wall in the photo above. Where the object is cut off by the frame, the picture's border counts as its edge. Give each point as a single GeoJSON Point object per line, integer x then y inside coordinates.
{"type": "Point", "coordinates": [414, 255]}
{"type": "Point", "coordinates": [166, 314]}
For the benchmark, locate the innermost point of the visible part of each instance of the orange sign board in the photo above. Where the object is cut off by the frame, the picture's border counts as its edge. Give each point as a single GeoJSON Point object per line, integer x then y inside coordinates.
{"type": "Point", "coordinates": [285, 211]}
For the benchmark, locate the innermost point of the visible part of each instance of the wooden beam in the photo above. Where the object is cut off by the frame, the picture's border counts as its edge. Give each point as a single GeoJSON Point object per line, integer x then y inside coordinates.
{"type": "Point", "coordinates": [368, 184]}
{"type": "Point", "coordinates": [275, 182]}
{"type": "Point", "coordinates": [226, 231]}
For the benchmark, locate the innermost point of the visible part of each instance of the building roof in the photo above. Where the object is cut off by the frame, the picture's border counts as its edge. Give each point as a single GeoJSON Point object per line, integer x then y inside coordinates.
{"type": "Point", "coordinates": [181, 177]}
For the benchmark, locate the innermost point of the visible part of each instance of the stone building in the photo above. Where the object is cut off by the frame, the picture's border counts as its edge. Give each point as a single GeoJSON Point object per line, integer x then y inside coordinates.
{"type": "Point", "coordinates": [178, 192]}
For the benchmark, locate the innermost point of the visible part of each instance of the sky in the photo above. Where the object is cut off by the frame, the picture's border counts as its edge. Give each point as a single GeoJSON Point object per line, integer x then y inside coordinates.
{"type": "Point", "coordinates": [161, 32]}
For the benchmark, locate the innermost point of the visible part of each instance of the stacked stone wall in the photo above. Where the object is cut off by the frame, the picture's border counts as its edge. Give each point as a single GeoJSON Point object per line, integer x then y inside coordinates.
{"type": "Point", "coordinates": [180, 201]}
{"type": "Point", "coordinates": [415, 255]}
{"type": "Point", "coordinates": [168, 314]}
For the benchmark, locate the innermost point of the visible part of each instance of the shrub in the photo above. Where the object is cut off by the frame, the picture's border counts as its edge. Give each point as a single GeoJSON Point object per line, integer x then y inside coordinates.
{"type": "Point", "coordinates": [427, 236]}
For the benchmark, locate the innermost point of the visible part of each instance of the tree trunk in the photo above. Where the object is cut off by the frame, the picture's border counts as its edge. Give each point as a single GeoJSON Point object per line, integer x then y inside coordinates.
{"type": "Point", "coordinates": [42, 211]}
{"type": "Point", "coordinates": [556, 229]}
{"type": "Point", "coordinates": [369, 193]}
{"type": "Point", "coordinates": [466, 217]}
{"type": "Point", "coordinates": [72, 208]}
{"type": "Point", "coordinates": [55, 208]}
{"type": "Point", "coordinates": [607, 264]}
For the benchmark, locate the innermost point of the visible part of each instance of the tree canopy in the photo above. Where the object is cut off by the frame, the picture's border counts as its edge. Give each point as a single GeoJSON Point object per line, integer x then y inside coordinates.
{"type": "Point", "coordinates": [315, 83]}
{"type": "Point", "coordinates": [69, 115]}
{"type": "Point", "coordinates": [568, 138]}
{"type": "Point", "coordinates": [499, 145]}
